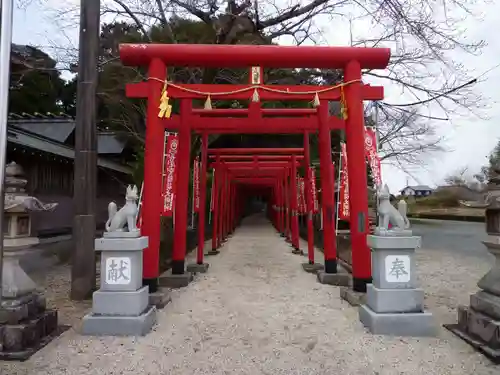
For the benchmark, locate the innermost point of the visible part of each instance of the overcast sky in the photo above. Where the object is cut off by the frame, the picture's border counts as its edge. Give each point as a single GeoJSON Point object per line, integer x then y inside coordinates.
{"type": "Point", "coordinates": [469, 139]}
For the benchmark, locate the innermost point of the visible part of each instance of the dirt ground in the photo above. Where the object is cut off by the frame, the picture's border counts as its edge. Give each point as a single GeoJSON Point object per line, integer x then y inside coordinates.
{"type": "Point", "coordinates": [257, 312]}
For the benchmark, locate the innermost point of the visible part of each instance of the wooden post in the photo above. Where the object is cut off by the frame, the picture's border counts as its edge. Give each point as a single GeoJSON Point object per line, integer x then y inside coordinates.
{"type": "Point", "coordinates": [85, 179]}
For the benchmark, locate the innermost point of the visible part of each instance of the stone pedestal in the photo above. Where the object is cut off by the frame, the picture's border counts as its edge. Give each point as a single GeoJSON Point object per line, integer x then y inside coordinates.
{"type": "Point", "coordinates": [121, 306]}
{"type": "Point", "coordinates": [25, 323]}
{"type": "Point", "coordinates": [197, 268]}
{"type": "Point", "coordinates": [174, 281]}
{"type": "Point", "coordinates": [312, 267]}
{"type": "Point", "coordinates": [479, 323]}
{"type": "Point", "coordinates": [337, 279]}
{"type": "Point", "coordinates": [394, 304]}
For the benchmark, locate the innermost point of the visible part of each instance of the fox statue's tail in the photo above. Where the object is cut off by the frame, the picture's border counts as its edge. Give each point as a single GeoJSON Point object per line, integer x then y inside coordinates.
{"type": "Point", "coordinates": [112, 209]}
{"type": "Point", "coordinates": [403, 210]}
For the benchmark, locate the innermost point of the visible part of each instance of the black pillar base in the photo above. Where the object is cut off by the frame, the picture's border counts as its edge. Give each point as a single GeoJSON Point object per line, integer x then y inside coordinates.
{"type": "Point", "coordinates": [359, 284]}
{"type": "Point", "coordinates": [177, 267]}
{"type": "Point", "coordinates": [152, 284]}
{"type": "Point", "coordinates": [330, 266]}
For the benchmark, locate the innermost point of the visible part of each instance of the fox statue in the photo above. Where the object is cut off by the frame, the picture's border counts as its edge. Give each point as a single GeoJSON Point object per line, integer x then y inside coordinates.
{"type": "Point", "coordinates": [127, 214]}
{"type": "Point", "coordinates": [389, 214]}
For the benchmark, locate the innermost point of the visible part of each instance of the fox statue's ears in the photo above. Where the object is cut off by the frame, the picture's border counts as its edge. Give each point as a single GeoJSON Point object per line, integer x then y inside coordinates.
{"type": "Point", "coordinates": [129, 189]}
{"type": "Point", "coordinates": [134, 189]}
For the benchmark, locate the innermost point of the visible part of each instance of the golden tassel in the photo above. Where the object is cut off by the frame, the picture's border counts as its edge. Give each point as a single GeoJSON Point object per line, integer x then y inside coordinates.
{"type": "Point", "coordinates": [316, 101]}
{"type": "Point", "coordinates": [165, 107]}
{"type": "Point", "coordinates": [255, 96]}
{"type": "Point", "coordinates": [208, 103]}
{"type": "Point", "coordinates": [343, 107]}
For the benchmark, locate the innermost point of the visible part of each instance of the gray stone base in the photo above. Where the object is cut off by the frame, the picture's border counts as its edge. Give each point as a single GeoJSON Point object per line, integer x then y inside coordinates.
{"type": "Point", "coordinates": [394, 324]}
{"type": "Point", "coordinates": [297, 251]}
{"type": "Point", "coordinates": [352, 297]}
{"type": "Point", "coordinates": [120, 303]}
{"type": "Point", "coordinates": [492, 354]}
{"type": "Point", "coordinates": [21, 340]}
{"type": "Point", "coordinates": [212, 252]}
{"type": "Point", "coordinates": [480, 327]}
{"type": "Point", "coordinates": [160, 298]}
{"type": "Point", "coordinates": [312, 268]}
{"type": "Point", "coordinates": [197, 268]}
{"type": "Point", "coordinates": [339, 279]}
{"type": "Point", "coordinates": [101, 325]}
{"type": "Point", "coordinates": [169, 280]}
{"type": "Point", "coordinates": [394, 300]}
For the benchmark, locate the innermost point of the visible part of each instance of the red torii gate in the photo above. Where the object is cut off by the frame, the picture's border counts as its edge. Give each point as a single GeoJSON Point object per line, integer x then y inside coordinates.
{"type": "Point", "coordinates": [350, 59]}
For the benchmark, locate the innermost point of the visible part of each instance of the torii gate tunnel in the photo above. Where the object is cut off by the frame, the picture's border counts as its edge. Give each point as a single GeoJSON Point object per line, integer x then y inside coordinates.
{"type": "Point", "coordinates": [254, 119]}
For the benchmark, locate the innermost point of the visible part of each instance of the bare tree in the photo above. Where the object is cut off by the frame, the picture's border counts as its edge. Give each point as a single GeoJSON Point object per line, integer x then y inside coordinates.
{"type": "Point", "coordinates": [420, 32]}
{"type": "Point", "coordinates": [405, 137]}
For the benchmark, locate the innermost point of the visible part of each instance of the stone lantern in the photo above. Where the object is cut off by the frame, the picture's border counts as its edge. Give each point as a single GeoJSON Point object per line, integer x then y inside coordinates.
{"type": "Point", "coordinates": [25, 323]}
{"type": "Point", "coordinates": [479, 323]}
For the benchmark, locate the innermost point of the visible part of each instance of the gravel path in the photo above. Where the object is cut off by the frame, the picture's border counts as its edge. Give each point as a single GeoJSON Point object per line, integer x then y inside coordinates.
{"type": "Point", "coordinates": [257, 312]}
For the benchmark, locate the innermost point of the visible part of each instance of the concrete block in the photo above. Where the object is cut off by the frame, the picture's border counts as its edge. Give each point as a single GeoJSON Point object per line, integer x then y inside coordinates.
{"type": "Point", "coordinates": [121, 244]}
{"type": "Point", "coordinates": [393, 242]}
{"type": "Point", "coordinates": [338, 279]}
{"type": "Point", "coordinates": [394, 324]}
{"type": "Point", "coordinates": [197, 268]}
{"type": "Point", "coordinates": [160, 298]}
{"type": "Point", "coordinates": [484, 327]}
{"type": "Point", "coordinates": [313, 268]}
{"type": "Point", "coordinates": [120, 303]}
{"type": "Point", "coordinates": [213, 252]}
{"type": "Point", "coordinates": [486, 303]}
{"type": "Point", "coordinates": [352, 297]}
{"type": "Point", "coordinates": [394, 300]}
{"type": "Point", "coordinates": [102, 325]}
{"type": "Point", "coordinates": [394, 268]}
{"type": "Point", "coordinates": [170, 280]}
{"type": "Point", "coordinates": [121, 270]}
{"type": "Point", "coordinates": [20, 337]}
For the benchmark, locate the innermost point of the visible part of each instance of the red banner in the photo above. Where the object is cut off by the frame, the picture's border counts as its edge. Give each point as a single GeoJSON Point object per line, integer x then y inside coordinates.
{"type": "Point", "coordinates": [196, 185]}
{"type": "Point", "coordinates": [344, 186]}
{"type": "Point", "coordinates": [301, 196]}
{"type": "Point", "coordinates": [170, 173]}
{"type": "Point", "coordinates": [372, 156]}
{"type": "Point", "coordinates": [313, 190]}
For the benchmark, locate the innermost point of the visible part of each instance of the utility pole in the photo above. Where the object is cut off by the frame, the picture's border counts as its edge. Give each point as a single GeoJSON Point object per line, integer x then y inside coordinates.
{"type": "Point", "coordinates": [5, 46]}
{"type": "Point", "coordinates": [84, 192]}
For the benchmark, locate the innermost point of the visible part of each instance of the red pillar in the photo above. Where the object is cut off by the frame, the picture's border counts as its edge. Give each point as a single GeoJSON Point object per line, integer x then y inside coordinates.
{"type": "Point", "coordinates": [295, 206]}
{"type": "Point", "coordinates": [309, 202]}
{"type": "Point", "coordinates": [153, 156]}
{"type": "Point", "coordinates": [203, 198]}
{"type": "Point", "coordinates": [215, 213]}
{"type": "Point", "coordinates": [220, 216]}
{"type": "Point", "coordinates": [327, 190]}
{"type": "Point", "coordinates": [358, 202]}
{"type": "Point", "coordinates": [288, 207]}
{"type": "Point", "coordinates": [182, 188]}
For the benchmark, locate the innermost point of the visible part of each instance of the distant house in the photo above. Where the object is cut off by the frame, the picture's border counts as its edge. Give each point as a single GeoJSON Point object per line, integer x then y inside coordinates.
{"type": "Point", "coordinates": [43, 145]}
{"type": "Point", "coordinates": [416, 191]}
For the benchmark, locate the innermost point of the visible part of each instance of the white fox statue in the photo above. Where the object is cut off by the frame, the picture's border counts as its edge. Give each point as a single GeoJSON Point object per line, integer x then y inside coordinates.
{"type": "Point", "coordinates": [127, 214]}
{"type": "Point", "coordinates": [389, 214]}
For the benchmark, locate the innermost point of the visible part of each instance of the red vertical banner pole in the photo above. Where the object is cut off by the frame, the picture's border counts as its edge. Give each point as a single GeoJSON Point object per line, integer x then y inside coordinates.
{"type": "Point", "coordinates": [327, 190]}
{"type": "Point", "coordinates": [153, 156]}
{"type": "Point", "coordinates": [287, 206]}
{"type": "Point", "coordinates": [280, 205]}
{"type": "Point", "coordinates": [309, 200]}
{"type": "Point", "coordinates": [220, 216]}
{"type": "Point", "coordinates": [203, 198]}
{"type": "Point", "coordinates": [295, 205]}
{"type": "Point", "coordinates": [215, 212]}
{"type": "Point", "coordinates": [182, 189]}
{"type": "Point", "coordinates": [355, 140]}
